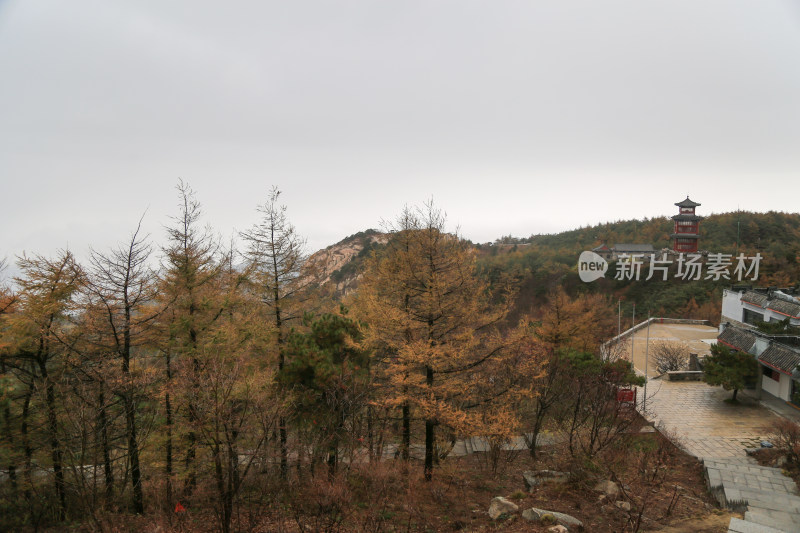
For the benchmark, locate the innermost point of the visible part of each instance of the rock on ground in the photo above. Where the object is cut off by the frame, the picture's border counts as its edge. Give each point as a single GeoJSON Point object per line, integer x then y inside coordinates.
{"type": "Point", "coordinates": [500, 506]}
{"type": "Point", "coordinates": [533, 514]}
{"type": "Point", "coordinates": [609, 488]}
{"type": "Point", "coordinates": [533, 478]}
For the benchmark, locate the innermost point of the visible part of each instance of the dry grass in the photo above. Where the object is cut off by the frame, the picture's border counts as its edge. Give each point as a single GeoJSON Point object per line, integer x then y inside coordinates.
{"type": "Point", "coordinates": [663, 485]}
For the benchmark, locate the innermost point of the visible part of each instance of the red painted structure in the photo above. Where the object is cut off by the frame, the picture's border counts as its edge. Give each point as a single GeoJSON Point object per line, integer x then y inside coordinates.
{"type": "Point", "coordinates": [627, 396]}
{"type": "Point", "coordinates": [687, 227]}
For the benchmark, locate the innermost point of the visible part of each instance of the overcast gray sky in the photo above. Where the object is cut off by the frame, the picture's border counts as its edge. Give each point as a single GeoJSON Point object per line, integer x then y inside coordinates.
{"type": "Point", "coordinates": [517, 117]}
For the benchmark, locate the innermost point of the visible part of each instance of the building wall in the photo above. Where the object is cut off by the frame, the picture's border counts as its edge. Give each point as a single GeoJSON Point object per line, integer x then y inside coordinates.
{"type": "Point", "coordinates": [786, 387]}
{"type": "Point", "coordinates": [771, 386]}
{"type": "Point", "coordinates": [781, 388]}
{"type": "Point", "coordinates": [731, 306]}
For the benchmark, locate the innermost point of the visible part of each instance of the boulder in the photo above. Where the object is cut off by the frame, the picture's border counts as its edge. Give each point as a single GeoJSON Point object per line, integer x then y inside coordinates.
{"type": "Point", "coordinates": [625, 506]}
{"type": "Point", "coordinates": [557, 529]}
{"type": "Point", "coordinates": [534, 515]}
{"type": "Point", "coordinates": [501, 506]}
{"type": "Point", "coordinates": [609, 488]}
{"type": "Point", "coordinates": [533, 478]}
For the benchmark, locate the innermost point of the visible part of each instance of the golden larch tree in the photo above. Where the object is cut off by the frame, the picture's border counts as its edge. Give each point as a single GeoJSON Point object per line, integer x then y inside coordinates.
{"type": "Point", "coordinates": [434, 324]}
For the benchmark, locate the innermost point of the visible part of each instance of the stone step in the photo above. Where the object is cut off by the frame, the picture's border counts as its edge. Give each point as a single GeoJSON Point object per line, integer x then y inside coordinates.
{"type": "Point", "coordinates": [743, 468]}
{"type": "Point", "coordinates": [733, 460]}
{"type": "Point", "coordinates": [738, 499]}
{"type": "Point", "coordinates": [777, 519]}
{"type": "Point", "coordinates": [778, 483]}
{"type": "Point", "coordinates": [742, 526]}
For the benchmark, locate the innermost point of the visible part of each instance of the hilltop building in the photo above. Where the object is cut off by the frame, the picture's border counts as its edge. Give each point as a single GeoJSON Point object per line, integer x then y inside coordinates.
{"type": "Point", "coordinates": [778, 355]}
{"type": "Point", "coordinates": [687, 227]}
{"type": "Point", "coordinates": [613, 253]}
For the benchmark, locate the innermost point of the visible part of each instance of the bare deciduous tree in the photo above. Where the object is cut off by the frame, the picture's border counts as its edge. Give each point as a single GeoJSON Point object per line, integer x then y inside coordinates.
{"type": "Point", "coordinates": [670, 355]}
{"type": "Point", "coordinates": [123, 284]}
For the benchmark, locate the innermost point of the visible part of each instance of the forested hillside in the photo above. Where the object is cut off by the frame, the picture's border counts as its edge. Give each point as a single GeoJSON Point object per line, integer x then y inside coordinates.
{"type": "Point", "coordinates": [543, 262]}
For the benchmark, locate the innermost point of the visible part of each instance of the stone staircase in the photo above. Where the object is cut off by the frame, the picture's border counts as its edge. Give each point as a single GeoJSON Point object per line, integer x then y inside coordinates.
{"type": "Point", "coordinates": [768, 499]}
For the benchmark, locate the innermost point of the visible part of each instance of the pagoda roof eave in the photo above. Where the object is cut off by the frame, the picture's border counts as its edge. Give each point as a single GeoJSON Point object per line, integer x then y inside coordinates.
{"type": "Point", "coordinates": [687, 203]}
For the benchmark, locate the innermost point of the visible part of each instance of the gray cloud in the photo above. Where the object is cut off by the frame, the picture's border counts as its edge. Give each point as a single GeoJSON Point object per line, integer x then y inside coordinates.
{"type": "Point", "coordinates": [516, 117]}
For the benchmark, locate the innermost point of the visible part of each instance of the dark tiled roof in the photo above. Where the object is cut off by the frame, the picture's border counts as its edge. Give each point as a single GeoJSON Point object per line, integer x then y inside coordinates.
{"type": "Point", "coordinates": [633, 248]}
{"type": "Point", "coordinates": [780, 357]}
{"type": "Point", "coordinates": [687, 203]}
{"type": "Point", "coordinates": [738, 338]}
{"type": "Point", "coordinates": [755, 298]}
{"type": "Point", "coordinates": [785, 308]}
{"type": "Point", "coordinates": [687, 217]}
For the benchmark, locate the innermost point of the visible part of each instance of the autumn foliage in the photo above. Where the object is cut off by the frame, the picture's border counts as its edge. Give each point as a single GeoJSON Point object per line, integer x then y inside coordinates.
{"type": "Point", "coordinates": [156, 381]}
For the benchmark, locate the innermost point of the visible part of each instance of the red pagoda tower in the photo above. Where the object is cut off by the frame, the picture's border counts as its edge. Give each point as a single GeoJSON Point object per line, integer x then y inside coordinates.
{"type": "Point", "coordinates": [687, 227]}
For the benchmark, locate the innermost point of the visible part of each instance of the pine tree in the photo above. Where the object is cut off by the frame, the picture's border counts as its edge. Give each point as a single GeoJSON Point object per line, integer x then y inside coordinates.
{"type": "Point", "coordinates": [327, 372]}
{"type": "Point", "coordinates": [730, 368]}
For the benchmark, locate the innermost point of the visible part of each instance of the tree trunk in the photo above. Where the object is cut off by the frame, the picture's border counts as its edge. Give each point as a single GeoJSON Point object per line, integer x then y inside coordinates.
{"type": "Point", "coordinates": [55, 445]}
{"type": "Point", "coordinates": [191, 449]}
{"type": "Point", "coordinates": [224, 495]}
{"type": "Point", "coordinates": [9, 438]}
{"type": "Point", "coordinates": [104, 445]}
{"type": "Point", "coordinates": [406, 445]}
{"type": "Point", "coordinates": [281, 361]}
{"type": "Point", "coordinates": [130, 420]}
{"type": "Point", "coordinates": [429, 435]}
{"type": "Point", "coordinates": [133, 452]}
{"type": "Point", "coordinates": [26, 442]}
{"type": "Point", "coordinates": [537, 427]}
{"type": "Point", "coordinates": [168, 468]}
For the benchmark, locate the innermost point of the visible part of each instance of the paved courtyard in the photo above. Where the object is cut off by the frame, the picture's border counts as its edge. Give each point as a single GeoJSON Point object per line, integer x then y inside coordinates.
{"type": "Point", "coordinates": [702, 422]}
{"type": "Point", "coordinates": [697, 337]}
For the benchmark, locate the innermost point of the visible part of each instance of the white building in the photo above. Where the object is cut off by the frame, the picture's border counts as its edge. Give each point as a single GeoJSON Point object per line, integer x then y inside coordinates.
{"type": "Point", "coordinates": [746, 306]}
{"type": "Point", "coordinates": [778, 357]}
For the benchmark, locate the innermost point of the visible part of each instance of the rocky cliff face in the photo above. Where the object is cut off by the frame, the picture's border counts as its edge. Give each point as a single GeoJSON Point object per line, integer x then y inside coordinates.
{"type": "Point", "coordinates": [340, 264]}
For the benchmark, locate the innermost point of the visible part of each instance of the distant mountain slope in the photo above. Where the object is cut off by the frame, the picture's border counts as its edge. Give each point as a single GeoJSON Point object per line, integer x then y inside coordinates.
{"type": "Point", "coordinates": [540, 263]}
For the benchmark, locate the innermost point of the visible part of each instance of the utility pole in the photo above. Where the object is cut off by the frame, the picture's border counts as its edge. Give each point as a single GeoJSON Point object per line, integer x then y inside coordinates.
{"type": "Point", "coordinates": [633, 334]}
{"type": "Point", "coordinates": [646, 360]}
{"type": "Point", "coordinates": [738, 223]}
